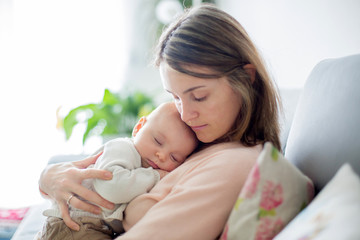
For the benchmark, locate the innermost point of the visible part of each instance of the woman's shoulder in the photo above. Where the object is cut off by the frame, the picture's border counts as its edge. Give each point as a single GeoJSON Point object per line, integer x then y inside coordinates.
{"type": "Point", "coordinates": [230, 148]}
{"type": "Point", "coordinates": [222, 161]}
{"type": "Point", "coordinates": [231, 152]}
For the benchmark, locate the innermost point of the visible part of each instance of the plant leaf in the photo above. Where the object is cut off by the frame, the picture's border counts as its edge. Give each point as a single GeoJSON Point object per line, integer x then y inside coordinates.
{"type": "Point", "coordinates": [115, 114]}
{"type": "Point", "coordinates": [70, 119]}
{"type": "Point", "coordinates": [110, 98]}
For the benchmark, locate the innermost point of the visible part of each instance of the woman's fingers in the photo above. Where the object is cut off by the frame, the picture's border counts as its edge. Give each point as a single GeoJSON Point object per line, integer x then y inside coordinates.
{"type": "Point", "coordinates": [62, 180]}
{"type": "Point", "coordinates": [87, 194]}
{"type": "Point", "coordinates": [66, 179]}
{"type": "Point", "coordinates": [77, 203]}
{"type": "Point", "coordinates": [84, 163]}
{"type": "Point", "coordinates": [66, 217]}
{"type": "Point", "coordinates": [95, 173]}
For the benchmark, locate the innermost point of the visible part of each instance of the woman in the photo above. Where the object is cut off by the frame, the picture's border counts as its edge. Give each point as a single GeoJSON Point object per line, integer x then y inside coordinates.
{"type": "Point", "coordinates": [222, 91]}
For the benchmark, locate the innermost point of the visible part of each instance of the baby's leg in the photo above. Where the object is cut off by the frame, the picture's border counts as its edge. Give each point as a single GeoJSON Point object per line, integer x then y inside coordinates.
{"type": "Point", "coordinates": [54, 229]}
{"type": "Point", "coordinates": [90, 229]}
{"type": "Point", "coordinates": [93, 229]}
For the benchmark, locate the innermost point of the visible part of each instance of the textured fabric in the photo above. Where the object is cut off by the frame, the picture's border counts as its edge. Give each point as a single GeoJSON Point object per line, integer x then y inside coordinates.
{"type": "Point", "coordinates": [195, 200]}
{"type": "Point", "coordinates": [325, 132]}
{"type": "Point", "coordinates": [90, 229]}
{"type": "Point", "coordinates": [274, 193]}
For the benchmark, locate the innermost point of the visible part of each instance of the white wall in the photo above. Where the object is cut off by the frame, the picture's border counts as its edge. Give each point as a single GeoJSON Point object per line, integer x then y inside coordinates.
{"type": "Point", "coordinates": [52, 54]}
{"type": "Point", "coordinates": [295, 35]}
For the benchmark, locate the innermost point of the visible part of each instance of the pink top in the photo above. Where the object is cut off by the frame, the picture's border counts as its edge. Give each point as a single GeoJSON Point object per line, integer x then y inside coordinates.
{"type": "Point", "coordinates": [195, 200]}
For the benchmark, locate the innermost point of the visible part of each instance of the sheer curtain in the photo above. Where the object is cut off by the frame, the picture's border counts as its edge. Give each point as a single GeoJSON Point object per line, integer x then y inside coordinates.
{"type": "Point", "coordinates": [54, 55]}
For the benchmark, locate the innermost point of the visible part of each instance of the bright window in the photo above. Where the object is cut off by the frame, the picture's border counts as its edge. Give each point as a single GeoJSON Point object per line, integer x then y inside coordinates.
{"type": "Point", "coordinates": [52, 54]}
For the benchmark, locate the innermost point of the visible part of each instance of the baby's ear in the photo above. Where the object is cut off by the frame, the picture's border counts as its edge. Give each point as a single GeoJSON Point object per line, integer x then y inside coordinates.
{"type": "Point", "coordinates": [138, 126]}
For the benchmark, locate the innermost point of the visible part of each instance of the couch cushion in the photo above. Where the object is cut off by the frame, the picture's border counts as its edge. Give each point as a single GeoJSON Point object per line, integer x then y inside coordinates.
{"type": "Point", "coordinates": [334, 213]}
{"type": "Point", "coordinates": [325, 132]}
{"type": "Point", "coordinates": [274, 192]}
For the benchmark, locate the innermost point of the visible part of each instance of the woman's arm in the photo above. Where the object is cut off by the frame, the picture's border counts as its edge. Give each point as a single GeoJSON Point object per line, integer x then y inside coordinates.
{"type": "Point", "coordinates": [60, 181]}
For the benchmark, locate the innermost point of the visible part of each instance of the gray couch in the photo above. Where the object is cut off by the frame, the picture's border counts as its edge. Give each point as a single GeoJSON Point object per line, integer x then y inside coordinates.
{"type": "Point", "coordinates": [320, 128]}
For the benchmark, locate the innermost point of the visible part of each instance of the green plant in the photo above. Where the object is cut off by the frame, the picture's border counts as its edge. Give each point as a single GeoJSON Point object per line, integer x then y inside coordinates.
{"type": "Point", "coordinates": [116, 114]}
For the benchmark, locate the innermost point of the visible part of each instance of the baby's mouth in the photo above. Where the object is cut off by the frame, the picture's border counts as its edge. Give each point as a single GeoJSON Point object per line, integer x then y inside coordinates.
{"type": "Point", "coordinates": [152, 164]}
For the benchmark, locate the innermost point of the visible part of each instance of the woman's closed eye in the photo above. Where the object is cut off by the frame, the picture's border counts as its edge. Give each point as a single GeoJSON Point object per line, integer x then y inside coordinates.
{"type": "Point", "coordinates": [200, 99]}
{"type": "Point", "coordinates": [199, 96]}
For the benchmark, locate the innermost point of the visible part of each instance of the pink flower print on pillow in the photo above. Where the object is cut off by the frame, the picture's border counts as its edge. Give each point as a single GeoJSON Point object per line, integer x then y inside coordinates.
{"type": "Point", "coordinates": [271, 196]}
{"type": "Point", "coordinates": [268, 228]}
{"type": "Point", "coordinates": [251, 182]}
{"type": "Point", "coordinates": [224, 234]}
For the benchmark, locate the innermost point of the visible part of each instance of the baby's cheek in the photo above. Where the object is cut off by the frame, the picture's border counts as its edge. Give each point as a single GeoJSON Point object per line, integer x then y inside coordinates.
{"type": "Point", "coordinates": [172, 166]}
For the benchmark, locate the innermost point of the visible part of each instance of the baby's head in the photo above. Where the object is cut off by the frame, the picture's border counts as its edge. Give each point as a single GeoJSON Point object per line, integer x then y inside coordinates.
{"type": "Point", "coordinates": [163, 140]}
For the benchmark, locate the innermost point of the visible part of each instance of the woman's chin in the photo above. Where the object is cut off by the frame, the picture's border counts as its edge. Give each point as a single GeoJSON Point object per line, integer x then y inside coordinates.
{"type": "Point", "coordinates": [204, 138]}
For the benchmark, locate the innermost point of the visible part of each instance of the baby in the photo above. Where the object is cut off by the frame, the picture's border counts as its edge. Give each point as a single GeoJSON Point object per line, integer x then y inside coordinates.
{"type": "Point", "coordinates": [161, 142]}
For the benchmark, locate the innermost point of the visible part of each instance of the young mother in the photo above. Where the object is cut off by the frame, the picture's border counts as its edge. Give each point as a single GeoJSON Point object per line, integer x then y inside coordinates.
{"type": "Point", "coordinates": [223, 92]}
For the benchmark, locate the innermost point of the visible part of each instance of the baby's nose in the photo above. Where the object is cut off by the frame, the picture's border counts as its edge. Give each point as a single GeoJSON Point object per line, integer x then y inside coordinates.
{"type": "Point", "coordinates": [160, 156]}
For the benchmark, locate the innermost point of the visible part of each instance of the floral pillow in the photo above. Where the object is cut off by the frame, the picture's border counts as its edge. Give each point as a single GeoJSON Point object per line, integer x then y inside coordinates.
{"type": "Point", "coordinates": [333, 214]}
{"type": "Point", "coordinates": [274, 193]}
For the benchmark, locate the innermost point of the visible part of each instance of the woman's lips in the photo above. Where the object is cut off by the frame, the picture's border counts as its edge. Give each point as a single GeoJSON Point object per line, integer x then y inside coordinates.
{"type": "Point", "coordinates": [152, 164]}
{"type": "Point", "coordinates": [198, 128]}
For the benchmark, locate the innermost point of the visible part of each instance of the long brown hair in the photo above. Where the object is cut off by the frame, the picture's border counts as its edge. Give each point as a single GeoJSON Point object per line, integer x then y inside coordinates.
{"type": "Point", "coordinates": [207, 36]}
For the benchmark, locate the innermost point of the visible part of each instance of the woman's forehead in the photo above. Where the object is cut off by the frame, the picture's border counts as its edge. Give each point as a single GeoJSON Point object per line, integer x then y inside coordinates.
{"type": "Point", "coordinates": [194, 68]}
{"type": "Point", "coordinates": [181, 83]}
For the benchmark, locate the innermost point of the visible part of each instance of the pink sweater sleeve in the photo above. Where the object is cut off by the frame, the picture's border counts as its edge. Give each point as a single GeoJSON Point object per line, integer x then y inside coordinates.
{"type": "Point", "coordinates": [199, 203]}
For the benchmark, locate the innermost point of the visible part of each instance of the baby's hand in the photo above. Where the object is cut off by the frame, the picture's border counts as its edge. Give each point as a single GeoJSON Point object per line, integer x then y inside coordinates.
{"type": "Point", "coordinates": [162, 173]}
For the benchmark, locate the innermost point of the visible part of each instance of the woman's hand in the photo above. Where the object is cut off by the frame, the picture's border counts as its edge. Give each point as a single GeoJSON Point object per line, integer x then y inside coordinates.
{"type": "Point", "coordinates": [60, 181]}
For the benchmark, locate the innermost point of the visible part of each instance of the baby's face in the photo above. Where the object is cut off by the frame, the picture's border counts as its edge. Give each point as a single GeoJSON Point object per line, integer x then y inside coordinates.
{"type": "Point", "coordinates": [164, 143]}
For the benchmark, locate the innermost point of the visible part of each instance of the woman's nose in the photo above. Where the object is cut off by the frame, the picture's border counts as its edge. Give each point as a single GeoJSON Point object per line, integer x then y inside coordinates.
{"type": "Point", "coordinates": [187, 113]}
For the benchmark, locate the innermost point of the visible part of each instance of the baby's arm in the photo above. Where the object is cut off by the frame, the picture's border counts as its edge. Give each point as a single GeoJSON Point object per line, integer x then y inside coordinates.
{"type": "Point", "coordinates": [129, 180]}
{"type": "Point", "coordinates": [162, 173]}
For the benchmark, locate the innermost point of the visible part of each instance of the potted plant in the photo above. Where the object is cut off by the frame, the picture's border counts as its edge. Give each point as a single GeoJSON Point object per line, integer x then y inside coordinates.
{"type": "Point", "coordinates": [115, 115]}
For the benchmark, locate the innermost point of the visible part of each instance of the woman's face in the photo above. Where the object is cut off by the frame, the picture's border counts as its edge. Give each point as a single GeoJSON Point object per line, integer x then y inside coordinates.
{"type": "Point", "coordinates": [208, 106]}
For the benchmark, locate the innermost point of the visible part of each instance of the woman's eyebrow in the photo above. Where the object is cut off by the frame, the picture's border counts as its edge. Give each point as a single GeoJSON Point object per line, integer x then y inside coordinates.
{"type": "Point", "coordinates": [193, 88]}
{"type": "Point", "coordinates": [188, 90]}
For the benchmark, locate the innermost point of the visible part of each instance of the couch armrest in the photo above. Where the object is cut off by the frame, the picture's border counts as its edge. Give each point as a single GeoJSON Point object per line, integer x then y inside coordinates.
{"type": "Point", "coordinates": [325, 132]}
{"type": "Point", "coordinates": [32, 222]}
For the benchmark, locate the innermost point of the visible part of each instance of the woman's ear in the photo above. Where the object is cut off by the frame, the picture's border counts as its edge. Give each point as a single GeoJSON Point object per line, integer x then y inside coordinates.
{"type": "Point", "coordinates": [251, 70]}
{"type": "Point", "coordinates": [138, 126]}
